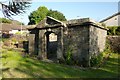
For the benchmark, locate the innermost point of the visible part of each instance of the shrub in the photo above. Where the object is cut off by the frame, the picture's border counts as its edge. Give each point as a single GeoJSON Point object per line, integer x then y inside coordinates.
{"type": "Point", "coordinates": [96, 60]}
{"type": "Point", "coordinates": [3, 39]}
{"type": "Point", "coordinates": [4, 20]}
{"type": "Point", "coordinates": [68, 58]}
{"type": "Point", "coordinates": [7, 43]}
{"type": "Point", "coordinates": [114, 30]}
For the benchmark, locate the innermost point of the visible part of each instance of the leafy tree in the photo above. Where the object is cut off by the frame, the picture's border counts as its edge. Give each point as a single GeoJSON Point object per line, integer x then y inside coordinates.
{"type": "Point", "coordinates": [14, 7]}
{"type": "Point", "coordinates": [57, 15]}
{"type": "Point", "coordinates": [4, 20]}
{"type": "Point", "coordinates": [36, 16]}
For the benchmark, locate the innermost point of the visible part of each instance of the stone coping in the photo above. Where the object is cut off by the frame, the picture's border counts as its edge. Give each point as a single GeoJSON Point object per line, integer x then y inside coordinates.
{"type": "Point", "coordinates": [74, 22]}
{"type": "Point", "coordinates": [85, 21]}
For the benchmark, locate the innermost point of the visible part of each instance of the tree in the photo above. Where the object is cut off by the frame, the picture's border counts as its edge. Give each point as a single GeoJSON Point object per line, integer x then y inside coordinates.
{"type": "Point", "coordinates": [57, 15]}
{"type": "Point", "coordinates": [4, 20]}
{"type": "Point", "coordinates": [14, 7]}
{"type": "Point", "coordinates": [36, 16]}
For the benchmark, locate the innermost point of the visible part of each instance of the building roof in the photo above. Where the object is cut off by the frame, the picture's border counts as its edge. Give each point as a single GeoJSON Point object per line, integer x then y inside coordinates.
{"type": "Point", "coordinates": [47, 22]}
{"type": "Point", "coordinates": [118, 13]}
{"type": "Point", "coordinates": [9, 27]}
{"type": "Point", "coordinates": [18, 27]}
{"type": "Point", "coordinates": [50, 22]}
{"type": "Point", "coordinates": [5, 27]}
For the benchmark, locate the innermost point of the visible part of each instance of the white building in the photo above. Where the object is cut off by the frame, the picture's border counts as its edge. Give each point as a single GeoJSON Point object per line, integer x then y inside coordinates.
{"type": "Point", "coordinates": [113, 20]}
{"type": "Point", "coordinates": [12, 28]}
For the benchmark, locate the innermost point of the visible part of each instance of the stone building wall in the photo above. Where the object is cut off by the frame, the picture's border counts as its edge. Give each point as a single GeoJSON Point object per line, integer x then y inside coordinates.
{"type": "Point", "coordinates": [77, 38]}
{"type": "Point", "coordinates": [77, 43]}
{"type": "Point", "coordinates": [97, 40]}
{"type": "Point", "coordinates": [32, 44]}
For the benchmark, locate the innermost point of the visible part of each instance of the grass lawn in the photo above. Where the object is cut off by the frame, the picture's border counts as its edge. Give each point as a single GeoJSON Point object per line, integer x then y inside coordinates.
{"type": "Point", "coordinates": [16, 66]}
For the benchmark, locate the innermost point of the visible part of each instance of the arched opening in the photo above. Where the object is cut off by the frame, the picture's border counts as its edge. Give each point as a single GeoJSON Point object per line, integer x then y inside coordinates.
{"type": "Point", "coordinates": [52, 44]}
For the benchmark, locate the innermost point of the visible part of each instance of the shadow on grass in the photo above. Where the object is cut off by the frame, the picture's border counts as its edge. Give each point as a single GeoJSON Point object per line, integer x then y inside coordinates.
{"type": "Point", "coordinates": [26, 67]}
{"type": "Point", "coordinates": [38, 69]}
{"type": "Point", "coordinates": [4, 69]}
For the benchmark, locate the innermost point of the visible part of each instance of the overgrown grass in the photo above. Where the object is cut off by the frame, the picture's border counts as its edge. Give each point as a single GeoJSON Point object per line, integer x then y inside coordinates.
{"type": "Point", "coordinates": [16, 66]}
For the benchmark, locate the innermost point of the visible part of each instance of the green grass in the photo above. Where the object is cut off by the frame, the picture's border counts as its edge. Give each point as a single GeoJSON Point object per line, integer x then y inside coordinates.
{"type": "Point", "coordinates": [16, 66]}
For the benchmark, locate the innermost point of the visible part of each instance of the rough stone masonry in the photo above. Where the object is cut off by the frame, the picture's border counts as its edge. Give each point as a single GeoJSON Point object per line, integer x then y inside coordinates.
{"type": "Point", "coordinates": [81, 38]}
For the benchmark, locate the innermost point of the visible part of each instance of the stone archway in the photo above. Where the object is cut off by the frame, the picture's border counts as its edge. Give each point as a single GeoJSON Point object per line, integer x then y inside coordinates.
{"type": "Point", "coordinates": [45, 43]}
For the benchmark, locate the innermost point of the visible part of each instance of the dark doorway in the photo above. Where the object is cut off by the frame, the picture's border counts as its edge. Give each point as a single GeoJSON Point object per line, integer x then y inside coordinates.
{"type": "Point", "coordinates": [52, 44]}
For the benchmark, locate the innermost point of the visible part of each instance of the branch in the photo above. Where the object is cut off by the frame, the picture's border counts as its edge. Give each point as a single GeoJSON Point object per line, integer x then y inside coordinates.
{"type": "Point", "coordinates": [14, 8]}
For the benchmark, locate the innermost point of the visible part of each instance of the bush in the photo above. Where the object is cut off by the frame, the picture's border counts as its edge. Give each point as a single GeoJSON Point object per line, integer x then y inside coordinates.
{"type": "Point", "coordinates": [96, 60]}
{"type": "Point", "coordinates": [3, 39]}
{"type": "Point", "coordinates": [114, 30]}
{"type": "Point", "coordinates": [7, 43]}
{"type": "Point", "coordinates": [68, 58]}
{"type": "Point", "coordinates": [4, 20]}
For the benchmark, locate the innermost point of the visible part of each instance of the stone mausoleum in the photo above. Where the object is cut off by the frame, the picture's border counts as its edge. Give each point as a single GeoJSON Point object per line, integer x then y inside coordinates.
{"type": "Point", "coordinates": [79, 38]}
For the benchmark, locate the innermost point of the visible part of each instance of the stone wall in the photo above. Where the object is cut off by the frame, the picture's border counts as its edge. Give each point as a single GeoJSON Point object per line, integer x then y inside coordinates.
{"type": "Point", "coordinates": [76, 42]}
{"type": "Point", "coordinates": [33, 42]}
{"type": "Point", "coordinates": [97, 40]}
{"type": "Point", "coordinates": [114, 42]}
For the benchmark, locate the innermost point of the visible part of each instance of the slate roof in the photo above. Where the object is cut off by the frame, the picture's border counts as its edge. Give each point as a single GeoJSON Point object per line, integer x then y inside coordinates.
{"type": "Point", "coordinates": [5, 27]}
{"type": "Point", "coordinates": [9, 27]}
{"type": "Point", "coordinates": [110, 16]}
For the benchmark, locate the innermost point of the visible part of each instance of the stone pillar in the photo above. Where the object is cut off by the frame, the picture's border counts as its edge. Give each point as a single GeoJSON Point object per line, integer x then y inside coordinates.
{"type": "Point", "coordinates": [60, 44]}
{"type": "Point", "coordinates": [42, 45]}
{"type": "Point", "coordinates": [39, 45]}
{"type": "Point", "coordinates": [31, 43]}
{"type": "Point", "coordinates": [36, 42]}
